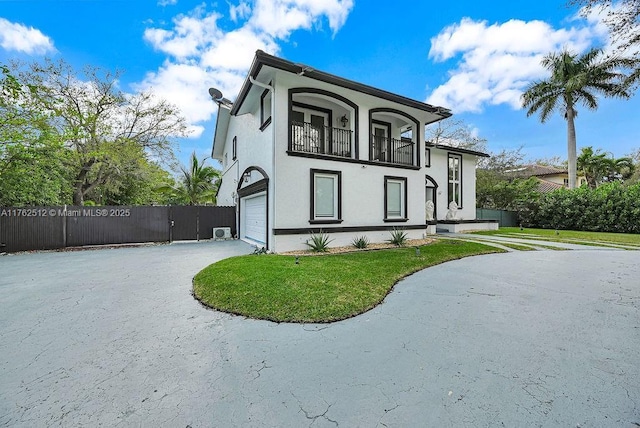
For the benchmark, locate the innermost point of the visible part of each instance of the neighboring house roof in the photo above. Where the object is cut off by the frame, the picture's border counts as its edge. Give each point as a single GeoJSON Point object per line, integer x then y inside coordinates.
{"type": "Point", "coordinates": [535, 170]}
{"type": "Point", "coordinates": [545, 186]}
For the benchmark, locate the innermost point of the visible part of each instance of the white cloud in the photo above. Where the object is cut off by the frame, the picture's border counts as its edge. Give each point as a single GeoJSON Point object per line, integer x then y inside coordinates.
{"type": "Point", "coordinates": [167, 2]}
{"type": "Point", "coordinates": [278, 18]}
{"type": "Point", "coordinates": [189, 37]}
{"type": "Point", "coordinates": [496, 62]}
{"type": "Point", "coordinates": [238, 12]}
{"type": "Point", "coordinates": [236, 49]}
{"type": "Point", "coordinates": [201, 54]}
{"type": "Point", "coordinates": [20, 38]}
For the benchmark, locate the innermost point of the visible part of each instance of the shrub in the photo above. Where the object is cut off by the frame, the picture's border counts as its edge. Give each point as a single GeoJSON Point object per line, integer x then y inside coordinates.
{"type": "Point", "coordinates": [398, 237]}
{"type": "Point", "coordinates": [360, 242]}
{"type": "Point", "coordinates": [319, 242]}
{"type": "Point", "coordinates": [612, 207]}
{"type": "Point", "coordinates": [259, 250]}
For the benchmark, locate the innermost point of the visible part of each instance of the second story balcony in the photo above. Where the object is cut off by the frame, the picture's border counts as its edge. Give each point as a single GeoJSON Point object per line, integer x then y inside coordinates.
{"type": "Point", "coordinates": [391, 150]}
{"type": "Point", "coordinates": [320, 139]}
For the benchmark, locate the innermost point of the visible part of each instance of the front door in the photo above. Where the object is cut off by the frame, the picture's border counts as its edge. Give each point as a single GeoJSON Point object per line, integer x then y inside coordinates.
{"type": "Point", "coordinates": [431, 189]}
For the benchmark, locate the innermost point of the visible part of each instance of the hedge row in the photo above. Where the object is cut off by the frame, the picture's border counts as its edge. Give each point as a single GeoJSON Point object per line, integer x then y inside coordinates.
{"type": "Point", "coordinates": [611, 207]}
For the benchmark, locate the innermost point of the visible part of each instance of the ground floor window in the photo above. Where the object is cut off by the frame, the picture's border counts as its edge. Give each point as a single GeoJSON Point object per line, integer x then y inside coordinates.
{"type": "Point", "coordinates": [395, 198]}
{"type": "Point", "coordinates": [326, 189]}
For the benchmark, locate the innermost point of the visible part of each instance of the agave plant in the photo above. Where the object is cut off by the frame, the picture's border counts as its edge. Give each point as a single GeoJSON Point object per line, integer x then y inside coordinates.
{"type": "Point", "coordinates": [398, 237]}
{"type": "Point", "coordinates": [319, 242]}
{"type": "Point", "coordinates": [360, 242]}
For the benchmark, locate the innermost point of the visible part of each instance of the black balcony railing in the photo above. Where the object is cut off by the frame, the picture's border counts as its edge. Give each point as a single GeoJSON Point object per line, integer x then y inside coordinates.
{"type": "Point", "coordinates": [324, 140]}
{"type": "Point", "coordinates": [390, 150]}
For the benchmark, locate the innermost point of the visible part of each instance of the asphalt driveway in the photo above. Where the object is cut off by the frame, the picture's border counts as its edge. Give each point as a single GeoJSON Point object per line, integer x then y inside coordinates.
{"type": "Point", "coordinates": [114, 338]}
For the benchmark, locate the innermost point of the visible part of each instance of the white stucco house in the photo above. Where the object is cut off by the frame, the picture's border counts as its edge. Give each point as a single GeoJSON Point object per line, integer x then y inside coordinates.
{"type": "Point", "coordinates": [304, 151]}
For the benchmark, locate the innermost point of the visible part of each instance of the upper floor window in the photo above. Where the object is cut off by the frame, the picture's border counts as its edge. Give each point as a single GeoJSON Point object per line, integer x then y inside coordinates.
{"type": "Point", "coordinates": [265, 109]}
{"type": "Point", "coordinates": [427, 157]}
{"type": "Point", "coordinates": [395, 198]}
{"type": "Point", "coordinates": [455, 179]}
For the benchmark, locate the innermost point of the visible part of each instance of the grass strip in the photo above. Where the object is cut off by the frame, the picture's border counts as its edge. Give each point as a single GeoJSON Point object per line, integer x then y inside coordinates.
{"type": "Point", "coordinates": [600, 237]}
{"type": "Point", "coordinates": [513, 246]}
{"type": "Point", "coordinates": [318, 289]}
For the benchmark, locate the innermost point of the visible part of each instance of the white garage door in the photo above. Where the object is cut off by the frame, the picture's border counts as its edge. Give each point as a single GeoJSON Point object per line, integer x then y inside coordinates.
{"type": "Point", "coordinates": [255, 219]}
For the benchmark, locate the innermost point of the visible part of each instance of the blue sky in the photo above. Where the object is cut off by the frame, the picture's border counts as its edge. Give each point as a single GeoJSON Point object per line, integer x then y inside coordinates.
{"type": "Point", "coordinates": [472, 57]}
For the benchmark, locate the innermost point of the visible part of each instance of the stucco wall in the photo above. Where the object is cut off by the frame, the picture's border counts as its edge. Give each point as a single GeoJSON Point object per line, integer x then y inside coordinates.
{"type": "Point", "coordinates": [362, 185]}
{"type": "Point", "coordinates": [254, 149]}
{"type": "Point", "coordinates": [439, 172]}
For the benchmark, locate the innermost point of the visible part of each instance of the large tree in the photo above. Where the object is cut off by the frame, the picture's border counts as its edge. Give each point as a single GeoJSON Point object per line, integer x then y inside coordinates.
{"type": "Point", "coordinates": [622, 17]}
{"type": "Point", "coordinates": [576, 80]}
{"type": "Point", "coordinates": [106, 129]}
{"type": "Point", "coordinates": [455, 133]}
{"type": "Point", "coordinates": [33, 170]}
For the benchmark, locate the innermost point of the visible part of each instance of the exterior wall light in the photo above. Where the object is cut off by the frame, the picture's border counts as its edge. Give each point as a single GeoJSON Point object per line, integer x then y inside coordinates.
{"type": "Point", "coordinates": [344, 120]}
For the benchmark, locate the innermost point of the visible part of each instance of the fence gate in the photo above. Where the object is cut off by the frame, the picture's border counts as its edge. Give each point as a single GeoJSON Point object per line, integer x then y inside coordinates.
{"type": "Point", "coordinates": [184, 223]}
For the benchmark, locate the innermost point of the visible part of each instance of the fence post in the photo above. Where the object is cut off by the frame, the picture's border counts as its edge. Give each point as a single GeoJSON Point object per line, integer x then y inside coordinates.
{"type": "Point", "coordinates": [170, 221]}
{"type": "Point", "coordinates": [64, 226]}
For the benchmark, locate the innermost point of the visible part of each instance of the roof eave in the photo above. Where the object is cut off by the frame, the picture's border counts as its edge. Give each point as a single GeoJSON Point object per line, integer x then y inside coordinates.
{"type": "Point", "coordinates": [220, 135]}
{"type": "Point", "coordinates": [458, 150]}
{"type": "Point", "coordinates": [261, 58]}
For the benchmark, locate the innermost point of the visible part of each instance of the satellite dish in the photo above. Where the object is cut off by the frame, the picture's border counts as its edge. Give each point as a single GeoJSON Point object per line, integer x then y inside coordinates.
{"type": "Point", "coordinates": [215, 94]}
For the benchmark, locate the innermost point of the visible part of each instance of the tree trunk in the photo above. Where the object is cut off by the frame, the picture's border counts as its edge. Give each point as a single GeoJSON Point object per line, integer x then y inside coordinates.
{"type": "Point", "coordinates": [571, 147]}
{"type": "Point", "coordinates": [79, 185]}
{"type": "Point", "coordinates": [78, 196]}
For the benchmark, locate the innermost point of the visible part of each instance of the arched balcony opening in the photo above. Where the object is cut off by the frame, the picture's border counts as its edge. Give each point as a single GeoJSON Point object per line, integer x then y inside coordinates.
{"type": "Point", "coordinates": [394, 137]}
{"type": "Point", "coordinates": [323, 123]}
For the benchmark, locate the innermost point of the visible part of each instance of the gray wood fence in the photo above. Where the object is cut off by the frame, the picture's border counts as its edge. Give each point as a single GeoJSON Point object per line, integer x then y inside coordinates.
{"type": "Point", "coordinates": [505, 218]}
{"type": "Point", "coordinates": [47, 228]}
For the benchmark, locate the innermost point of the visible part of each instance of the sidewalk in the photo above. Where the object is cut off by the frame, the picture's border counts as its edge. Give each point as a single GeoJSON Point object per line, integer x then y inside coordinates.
{"type": "Point", "coordinates": [535, 244]}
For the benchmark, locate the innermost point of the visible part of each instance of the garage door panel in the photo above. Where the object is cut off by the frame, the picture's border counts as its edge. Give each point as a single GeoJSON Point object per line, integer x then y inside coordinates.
{"type": "Point", "coordinates": [255, 219]}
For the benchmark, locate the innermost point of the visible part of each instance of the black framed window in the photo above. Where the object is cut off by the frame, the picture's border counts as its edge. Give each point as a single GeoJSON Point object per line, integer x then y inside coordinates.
{"type": "Point", "coordinates": [234, 149]}
{"type": "Point", "coordinates": [427, 157]}
{"type": "Point", "coordinates": [395, 198]}
{"type": "Point", "coordinates": [265, 109]}
{"type": "Point", "coordinates": [326, 196]}
{"type": "Point", "coordinates": [455, 179]}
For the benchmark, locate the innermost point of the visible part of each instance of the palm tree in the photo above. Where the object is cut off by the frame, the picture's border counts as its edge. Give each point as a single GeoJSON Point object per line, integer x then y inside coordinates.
{"type": "Point", "coordinates": [598, 167]}
{"type": "Point", "coordinates": [576, 80]}
{"type": "Point", "coordinates": [197, 184]}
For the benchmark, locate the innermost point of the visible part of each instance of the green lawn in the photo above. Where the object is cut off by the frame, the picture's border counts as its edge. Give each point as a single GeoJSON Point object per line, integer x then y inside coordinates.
{"type": "Point", "coordinates": [569, 236]}
{"type": "Point", "coordinates": [320, 288]}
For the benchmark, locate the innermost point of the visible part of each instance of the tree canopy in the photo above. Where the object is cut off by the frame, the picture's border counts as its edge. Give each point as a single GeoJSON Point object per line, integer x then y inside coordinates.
{"type": "Point", "coordinates": [599, 167]}
{"type": "Point", "coordinates": [69, 136]}
{"type": "Point", "coordinates": [576, 80]}
{"type": "Point", "coordinates": [197, 184]}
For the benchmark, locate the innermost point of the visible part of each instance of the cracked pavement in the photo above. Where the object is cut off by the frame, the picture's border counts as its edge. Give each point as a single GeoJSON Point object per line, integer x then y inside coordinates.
{"type": "Point", "coordinates": [113, 337]}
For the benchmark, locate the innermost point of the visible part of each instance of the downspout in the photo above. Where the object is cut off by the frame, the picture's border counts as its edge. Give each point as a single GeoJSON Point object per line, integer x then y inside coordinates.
{"type": "Point", "coordinates": [271, 196]}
